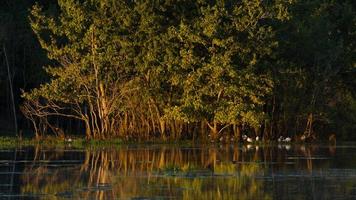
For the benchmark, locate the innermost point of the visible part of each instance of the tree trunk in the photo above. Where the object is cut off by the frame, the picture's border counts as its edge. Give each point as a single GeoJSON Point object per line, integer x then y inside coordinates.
{"type": "Point", "coordinates": [213, 130]}
{"type": "Point", "coordinates": [11, 91]}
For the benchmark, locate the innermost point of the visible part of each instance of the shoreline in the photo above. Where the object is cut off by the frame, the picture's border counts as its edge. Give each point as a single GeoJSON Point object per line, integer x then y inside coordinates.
{"type": "Point", "coordinates": [79, 142]}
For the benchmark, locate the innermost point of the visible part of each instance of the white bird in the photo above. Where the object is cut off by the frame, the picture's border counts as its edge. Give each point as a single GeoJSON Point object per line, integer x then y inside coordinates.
{"type": "Point", "coordinates": [249, 139]}
{"type": "Point", "coordinates": [280, 139]}
{"type": "Point", "coordinates": [287, 139]}
{"type": "Point", "coordinates": [257, 138]}
{"type": "Point", "coordinates": [244, 137]}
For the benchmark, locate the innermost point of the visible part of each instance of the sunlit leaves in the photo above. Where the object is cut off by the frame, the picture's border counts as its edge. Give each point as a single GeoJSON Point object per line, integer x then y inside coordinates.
{"type": "Point", "coordinates": [196, 67]}
{"type": "Point", "coordinates": [220, 49]}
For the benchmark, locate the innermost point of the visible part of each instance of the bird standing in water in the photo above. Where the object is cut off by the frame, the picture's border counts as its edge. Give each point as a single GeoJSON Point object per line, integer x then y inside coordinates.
{"type": "Point", "coordinates": [244, 137]}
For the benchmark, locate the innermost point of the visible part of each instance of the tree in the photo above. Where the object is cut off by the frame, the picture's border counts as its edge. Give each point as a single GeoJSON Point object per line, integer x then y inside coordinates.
{"type": "Point", "coordinates": [142, 69]}
{"type": "Point", "coordinates": [314, 60]}
{"type": "Point", "coordinates": [220, 54]}
{"type": "Point", "coordinates": [87, 81]}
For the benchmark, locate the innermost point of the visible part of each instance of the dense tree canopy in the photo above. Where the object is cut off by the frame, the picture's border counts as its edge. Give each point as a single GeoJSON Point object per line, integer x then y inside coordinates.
{"type": "Point", "coordinates": [186, 69]}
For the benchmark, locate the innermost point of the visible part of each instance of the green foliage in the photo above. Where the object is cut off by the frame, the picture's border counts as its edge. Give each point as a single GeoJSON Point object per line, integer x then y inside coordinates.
{"type": "Point", "coordinates": [213, 61]}
{"type": "Point", "coordinates": [147, 68]}
{"type": "Point", "coordinates": [314, 62]}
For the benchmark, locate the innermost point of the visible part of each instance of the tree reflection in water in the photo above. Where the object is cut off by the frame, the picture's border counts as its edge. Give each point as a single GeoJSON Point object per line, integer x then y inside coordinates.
{"type": "Point", "coordinates": [210, 172]}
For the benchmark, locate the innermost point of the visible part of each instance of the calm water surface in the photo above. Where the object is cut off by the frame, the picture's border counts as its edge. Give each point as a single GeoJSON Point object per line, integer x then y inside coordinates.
{"type": "Point", "coordinates": [180, 172]}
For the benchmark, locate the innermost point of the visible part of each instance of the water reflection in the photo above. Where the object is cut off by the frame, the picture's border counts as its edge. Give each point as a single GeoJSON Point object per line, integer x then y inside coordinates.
{"type": "Point", "coordinates": [174, 172]}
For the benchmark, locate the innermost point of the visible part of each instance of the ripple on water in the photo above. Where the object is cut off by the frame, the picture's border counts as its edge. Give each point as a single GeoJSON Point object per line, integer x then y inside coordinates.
{"type": "Point", "coordinates": [151, 172]}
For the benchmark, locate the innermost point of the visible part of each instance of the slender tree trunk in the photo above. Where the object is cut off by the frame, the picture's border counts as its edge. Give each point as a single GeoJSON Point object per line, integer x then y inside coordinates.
{"type": "Point", "coordinates": [11, 92]}
{"type": "Point", "coordinates": [237, 132]}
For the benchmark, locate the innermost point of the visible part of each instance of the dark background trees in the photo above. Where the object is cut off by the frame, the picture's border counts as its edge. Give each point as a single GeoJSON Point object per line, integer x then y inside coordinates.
{"type": "Point", "coordinates": [25, 58]}
{"type": "Point", "coordinates": [315, 64]}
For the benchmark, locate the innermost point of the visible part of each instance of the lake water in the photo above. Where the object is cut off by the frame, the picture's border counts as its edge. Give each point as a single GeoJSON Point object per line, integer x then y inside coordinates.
{"type": "Point", "coordinates": [180, 172]}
